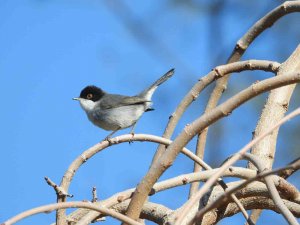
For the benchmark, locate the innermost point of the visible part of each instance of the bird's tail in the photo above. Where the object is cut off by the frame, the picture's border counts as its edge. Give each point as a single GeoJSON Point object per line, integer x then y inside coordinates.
{"type": "Point", "coordinates": [147, 93]}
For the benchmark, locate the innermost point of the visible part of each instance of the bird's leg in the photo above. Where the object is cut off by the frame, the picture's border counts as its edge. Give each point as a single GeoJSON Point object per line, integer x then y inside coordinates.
{"type": "Point", "coordinates": [132, 129]}
{"type": "Point", "coordinates": [132, 132]}
{"type": "Point", "coordinates": [111, 134]}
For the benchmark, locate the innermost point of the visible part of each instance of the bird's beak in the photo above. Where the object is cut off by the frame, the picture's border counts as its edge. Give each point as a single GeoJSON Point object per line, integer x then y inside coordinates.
{"type": "Point", "coordinates": [76, 99]}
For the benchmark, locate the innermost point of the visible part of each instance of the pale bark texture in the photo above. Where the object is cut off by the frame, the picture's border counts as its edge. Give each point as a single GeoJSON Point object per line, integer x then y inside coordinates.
{"type": "Point", "coordinates": [256, 187]}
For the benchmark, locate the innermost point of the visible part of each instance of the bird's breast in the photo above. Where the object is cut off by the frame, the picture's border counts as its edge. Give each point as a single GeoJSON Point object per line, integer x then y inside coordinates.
{"type": "Point", "coordinates": [117, 118]}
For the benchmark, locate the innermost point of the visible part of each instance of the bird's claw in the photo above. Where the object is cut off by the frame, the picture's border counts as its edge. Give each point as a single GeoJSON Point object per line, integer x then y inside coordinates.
{"type": "Point", "coordinates": [131, 140]}
{"type": "Point", "coordinates": [108, 139]}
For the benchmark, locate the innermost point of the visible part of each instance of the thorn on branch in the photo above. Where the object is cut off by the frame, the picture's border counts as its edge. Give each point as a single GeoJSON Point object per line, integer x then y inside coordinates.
{"type": "Point", "coordinates": [59, 190]}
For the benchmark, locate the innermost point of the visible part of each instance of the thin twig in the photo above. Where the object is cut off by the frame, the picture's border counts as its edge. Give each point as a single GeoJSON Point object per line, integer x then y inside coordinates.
{"type": "Point", "coordinates": [94, 194]}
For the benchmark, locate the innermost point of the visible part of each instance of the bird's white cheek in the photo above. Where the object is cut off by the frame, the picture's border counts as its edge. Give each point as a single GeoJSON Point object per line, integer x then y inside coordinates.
{"type": "Point", "coordinates": [87, 105]}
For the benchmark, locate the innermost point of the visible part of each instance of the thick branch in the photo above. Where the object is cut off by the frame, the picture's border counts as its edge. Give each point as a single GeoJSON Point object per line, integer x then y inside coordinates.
{"type": "Point", "coordinates": [156, 213]}
{"type": "Point", "coordinates": [240, 48]}
{"type": "Point", "coordinates": [216, 73]}
{"type": "Point", "coordinates": [194, 128]}
{"type": "Point", "coordinates": [275, 108]}
{"type": "Point", "coordinates": [261, 166]}
{"type": "Point", "coordinates": [230, 162]}
{"type": "Point", "coordinates": [250, 203]}
{"type": "Point", "coordinates": [86, 155]}
{"type": "Point", "coordinates": [86, 217]}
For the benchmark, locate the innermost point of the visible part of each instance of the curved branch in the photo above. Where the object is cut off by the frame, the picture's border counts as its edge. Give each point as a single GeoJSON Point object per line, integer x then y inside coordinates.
{"type": "Point", "coordinates": [232, 160]}
{"type": "Point", "coordinates": [261, 166]}
{"type": "Point", "coordinates": [241, 46]}
{"type": "Point", "coordinates": [154, 212]}
{"type": "Point", "coordinates": [216, 73]}
{"type": "Point", "coordinates": [86, 155]}
{"type": "Point", "coordinates": [63, 205]}
{"type": "Point", "coordinates": [287, 190]}
{"type": "Point", "coordinates": [166, 160]}
{"type": "Point", "coordinates": [215, 215]}
{"type": "Point", "coordinates": [243, 173]}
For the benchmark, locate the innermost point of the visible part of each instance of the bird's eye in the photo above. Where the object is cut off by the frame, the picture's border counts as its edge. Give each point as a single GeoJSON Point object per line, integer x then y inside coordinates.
{"type": "Point", "coordinates": [89, 96]}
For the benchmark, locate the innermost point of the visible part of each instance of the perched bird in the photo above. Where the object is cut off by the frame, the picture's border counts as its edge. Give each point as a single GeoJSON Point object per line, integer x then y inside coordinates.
{"type": "Point", "coordinates": [115, 112]}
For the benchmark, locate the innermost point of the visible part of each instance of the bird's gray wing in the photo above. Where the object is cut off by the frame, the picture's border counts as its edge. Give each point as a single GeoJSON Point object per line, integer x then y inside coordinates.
{"type": "Point", "coordinates": [114, 101]}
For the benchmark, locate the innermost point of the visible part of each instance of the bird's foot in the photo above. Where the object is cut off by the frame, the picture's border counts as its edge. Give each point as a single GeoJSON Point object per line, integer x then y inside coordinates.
{"type": "Point", "coordinates": [131, 140]}
{"type": "Point", "coordinates": [108, 139]}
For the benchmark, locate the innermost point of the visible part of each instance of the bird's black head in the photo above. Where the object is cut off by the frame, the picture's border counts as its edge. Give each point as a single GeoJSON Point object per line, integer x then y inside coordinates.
{"type": "Point", "coordinates": [92, 93]}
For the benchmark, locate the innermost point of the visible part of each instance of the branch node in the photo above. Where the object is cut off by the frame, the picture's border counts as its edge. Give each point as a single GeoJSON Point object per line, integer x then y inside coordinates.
{"type": "Point", "coordinates": [240, 45]}
{"type": "Point", "coordinates": [121, 198]}
{"type": "Point", "coordinates": [195, 95]}
{"type": "Point", "coordinates": [185, 180]}
{"type": "Point", "coordinates": [84, 158]}
{"type": "Point", "coordinates": [284, 7]}
{"type": "Point", "coordinates": [59, 190]}
{"type": "Point", "coordinates": [249, 65]}
{"type": "Point", "coordinates": [217, 72]}
{"type": "Point", "coordinates": [274, 67]}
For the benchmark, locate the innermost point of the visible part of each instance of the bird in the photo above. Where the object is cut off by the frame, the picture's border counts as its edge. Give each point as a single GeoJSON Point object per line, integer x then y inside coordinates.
{"type": "Point", "coordinates": [114, 112]}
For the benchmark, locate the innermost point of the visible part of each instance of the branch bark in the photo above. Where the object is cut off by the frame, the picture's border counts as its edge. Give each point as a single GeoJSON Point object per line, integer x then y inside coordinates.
{"type": "Point", "coordinates": [87, 205]}
{"type": "Point", "coordinates": [228, 163]}
{"type": "Point", "coordinates": [240, 48]}
{"type": "Point", "coordinates": [157, 169]}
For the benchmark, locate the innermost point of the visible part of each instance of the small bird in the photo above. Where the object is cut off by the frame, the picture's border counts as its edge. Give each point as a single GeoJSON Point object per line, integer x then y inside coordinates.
{"type": "Point", "coordinates": [116, 112]}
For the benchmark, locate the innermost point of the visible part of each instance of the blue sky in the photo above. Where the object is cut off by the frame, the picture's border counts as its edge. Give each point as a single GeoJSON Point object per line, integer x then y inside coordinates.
{"type": "Point", "coordinates": [50, 50]}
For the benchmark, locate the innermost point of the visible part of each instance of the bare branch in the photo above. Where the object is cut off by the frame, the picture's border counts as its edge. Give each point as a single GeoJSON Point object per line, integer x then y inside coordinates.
{"type": "Point", "coordinates": [249, 203]}
{"type": "Point", "coordinates": [274, 110]}
{"type": "Point", "coordinates": [196, 127]}
{"type": "Point", "coordinates": [287, 191]}
{"type": "Point", "coordinates": [216, 73]}
{"type": "Point", "coordinates": [87, 205]}
{"type": "Point", "coordinates": [261, 166]}
{"type": "Point", "coordinates": [241, 46]}
{"type": "Point", "coordinates": [86, 155]}
{"type": "Point", "coordinates": [230, 162]}
{"type": "Point", "coordinates": [59, 191]}
{"type": "Point", "coordinates": [249, 175]}
{"type": "Point", "coordinates": [151, 211]}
